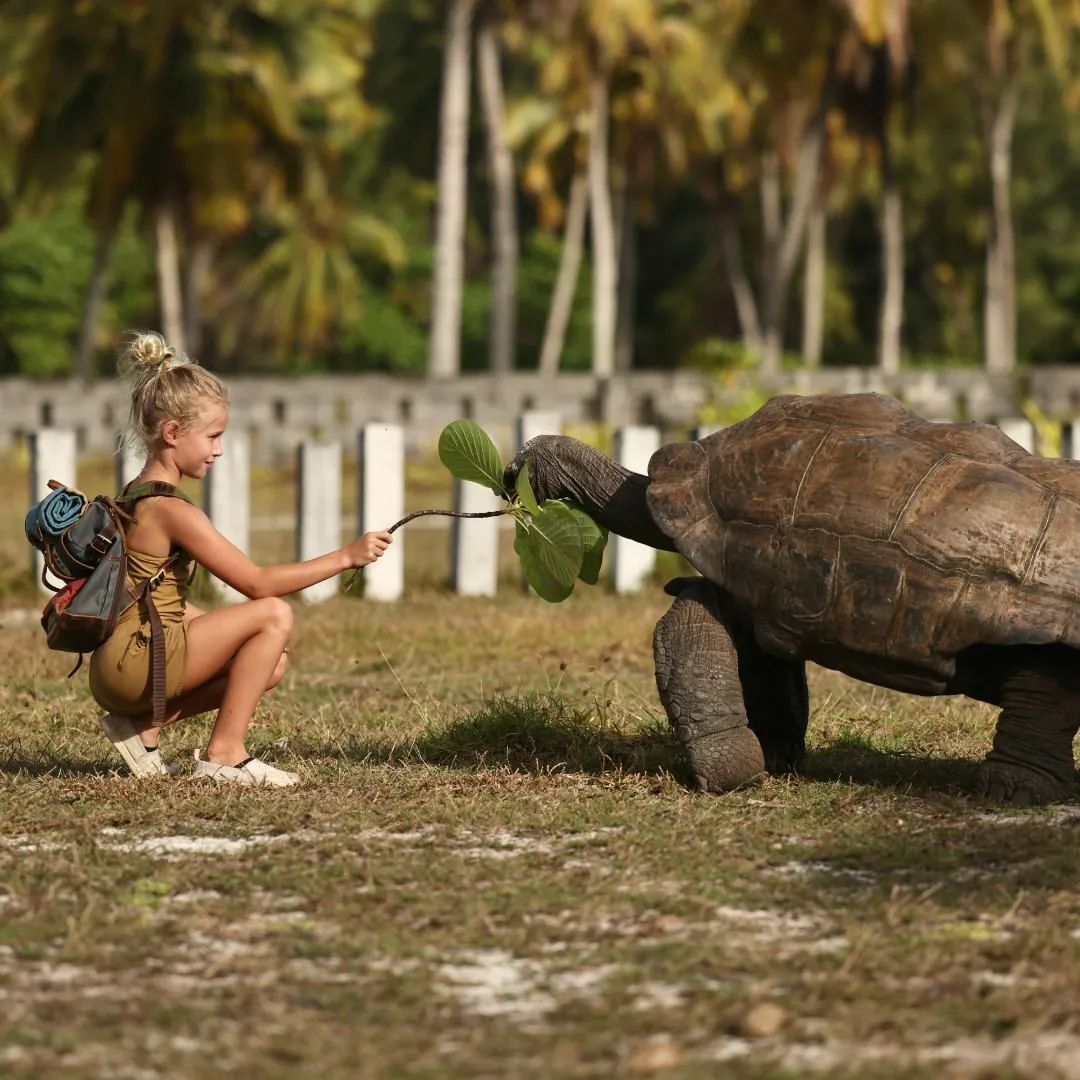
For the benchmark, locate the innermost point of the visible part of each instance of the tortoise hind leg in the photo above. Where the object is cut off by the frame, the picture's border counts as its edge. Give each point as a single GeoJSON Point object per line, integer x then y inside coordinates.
{"type": "Point", "coordinates": [777, 705]}
{"type": "Point", "coordinates": [1032, 756]}
{"type": "Point", "coordinates": [697, 675]}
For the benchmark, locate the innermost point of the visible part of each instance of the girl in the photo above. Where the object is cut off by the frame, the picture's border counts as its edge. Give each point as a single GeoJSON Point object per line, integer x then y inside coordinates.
{"type": "Point", "coordinates": [223, 659]}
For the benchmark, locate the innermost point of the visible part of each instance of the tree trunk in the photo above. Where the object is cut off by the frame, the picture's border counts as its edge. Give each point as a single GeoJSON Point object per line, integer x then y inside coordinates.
{"type": "Point", "coordinates": [170, 299]}
{"type": "Point", "coordinates": [813, 322]}
{"type": "Point", "coordinates": [444, 346]}
{"type": "Point", "coordinates": [562, 300]}
{"type": "Point", "coordinates": [95, 298]}
{"type": "Point", "coordinates": [195, 278]}
{"type": "Point", "coordinates": [504, 212]}
{"type": "Point", "coordinates": [1000, 309]}
{"type": "Point", "coordinates": [627, 272]}
{"type": "Point", "coordinates": [892, 272]}
{"type": "Point", "coordinates": [778, 275]}
{"type": "Point", "coordinates": [771, 213]}
{"type": "Point", "coordinates": [741, 289]}
{"type": "Point", "coordinates": [605, 271]}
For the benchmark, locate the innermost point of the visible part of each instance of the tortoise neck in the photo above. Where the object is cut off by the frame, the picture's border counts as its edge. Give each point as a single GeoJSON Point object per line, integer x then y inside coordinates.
{"type": "Point", "coordinates": [612, 495]}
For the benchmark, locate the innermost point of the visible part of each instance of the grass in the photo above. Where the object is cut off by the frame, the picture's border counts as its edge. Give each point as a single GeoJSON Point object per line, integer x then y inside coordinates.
{"type": "Point", "coordinates": [495, 867]}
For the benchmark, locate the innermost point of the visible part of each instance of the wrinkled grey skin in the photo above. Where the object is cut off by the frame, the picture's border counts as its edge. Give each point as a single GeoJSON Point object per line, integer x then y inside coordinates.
{"type": "Point", "coordinates": [739, 712]}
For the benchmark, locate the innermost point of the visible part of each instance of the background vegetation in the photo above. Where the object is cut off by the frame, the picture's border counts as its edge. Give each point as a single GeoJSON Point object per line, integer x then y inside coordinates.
{"type": "Point", "coordinates": [430, 185]}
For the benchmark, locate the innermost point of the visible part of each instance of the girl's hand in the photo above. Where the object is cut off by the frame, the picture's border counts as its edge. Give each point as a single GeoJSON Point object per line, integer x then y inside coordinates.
{"type": "Point", "coordinates": [367, 548]}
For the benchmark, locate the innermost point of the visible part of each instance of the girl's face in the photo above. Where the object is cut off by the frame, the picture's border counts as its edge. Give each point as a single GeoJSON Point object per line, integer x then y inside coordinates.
{"type": "Point", "coordinates": [196, 448]}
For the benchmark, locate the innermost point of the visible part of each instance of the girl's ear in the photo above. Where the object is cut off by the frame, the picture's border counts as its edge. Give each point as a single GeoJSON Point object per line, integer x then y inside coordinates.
{"type": "Point", "coordinates": [169, 431]}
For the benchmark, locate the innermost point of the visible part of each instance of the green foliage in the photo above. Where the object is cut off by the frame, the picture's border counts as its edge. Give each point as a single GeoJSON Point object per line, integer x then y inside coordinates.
{"type": "Point", "coordinates": [383, 336]}
{"type": "Point", "coordinates": [297, 143]}
{"type": "Point", "coordinates": [468, 452]}
{"type": "Point", "coordinates": [43, 267]}
{"type": "Point", "coordinates": [593, 542]}
{"type": "Point", "coordinates": [536, 284]}
{"type": "Point", "coordinates": [525, 492]}
{"type": "Point", "coordinates": [557, 542]}
{"type": "Point", "coordinates": [733, 394]}
{"type": "Point", "coordinates": [531, 546]}
{"type": "Point", "coordinates": [45, 261]}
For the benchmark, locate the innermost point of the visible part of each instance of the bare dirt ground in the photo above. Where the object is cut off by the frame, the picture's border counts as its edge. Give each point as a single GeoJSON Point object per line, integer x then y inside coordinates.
{"type": "Point", "coordinates": [495, 867]}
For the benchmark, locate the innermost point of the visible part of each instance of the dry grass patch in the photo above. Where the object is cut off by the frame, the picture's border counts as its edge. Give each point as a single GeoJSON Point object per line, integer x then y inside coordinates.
{"type": "Point", "coordinates": [494, 867]}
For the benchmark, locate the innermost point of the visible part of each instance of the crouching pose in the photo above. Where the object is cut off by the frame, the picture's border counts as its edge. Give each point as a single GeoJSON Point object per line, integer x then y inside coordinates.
{"type": "Point", "coordinates": [225, 659]}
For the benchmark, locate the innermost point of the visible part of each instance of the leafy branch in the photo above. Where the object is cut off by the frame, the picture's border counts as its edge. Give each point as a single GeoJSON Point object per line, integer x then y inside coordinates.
{"type": "Point", "coordinates": [557, 542]}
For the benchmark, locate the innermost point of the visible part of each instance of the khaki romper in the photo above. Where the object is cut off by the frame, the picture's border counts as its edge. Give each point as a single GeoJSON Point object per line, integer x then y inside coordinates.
{"type": "Point", "coordinates": [120, 668]}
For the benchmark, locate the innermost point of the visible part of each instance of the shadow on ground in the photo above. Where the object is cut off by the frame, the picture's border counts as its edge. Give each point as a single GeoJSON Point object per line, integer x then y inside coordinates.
{"type": "Point", "coordinates": [543, 732]}
{"type": "Point", "coordinates": [538, 733]}
{"type": "Point", "coordinates": [37, 765]}
{"type": "Point", "coordinates": [857, 761]}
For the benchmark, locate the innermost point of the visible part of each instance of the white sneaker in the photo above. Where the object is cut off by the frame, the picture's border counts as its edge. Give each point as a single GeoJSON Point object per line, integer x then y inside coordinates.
{"type": "Point", "coordinates": [251, 771]}
{"type": "Point", "coordinates": [140, 760]}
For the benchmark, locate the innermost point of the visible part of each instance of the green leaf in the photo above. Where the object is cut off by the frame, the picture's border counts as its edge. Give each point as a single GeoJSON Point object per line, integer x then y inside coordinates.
{"type": "Point", "coordinates": [555, 537]}
{"type": "Point", "coordinates": [550, 549]}
{"type": "Point", "coordinates": [525, 491]}
{"type": "Point", "coordinates": [540, 580]}
{"type": "Point", "coordinates": [593, 541]}
{"type": "Point", "coordinates": [466, 450]}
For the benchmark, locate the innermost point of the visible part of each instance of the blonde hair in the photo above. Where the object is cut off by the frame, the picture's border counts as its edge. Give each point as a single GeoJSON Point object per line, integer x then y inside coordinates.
{"type": "Point", "coordinates": [165, 385]}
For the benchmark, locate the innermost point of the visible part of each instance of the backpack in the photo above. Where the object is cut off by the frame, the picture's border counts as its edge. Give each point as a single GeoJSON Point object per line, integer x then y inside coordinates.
{"type": "Point", "coordinates": [83, 544]}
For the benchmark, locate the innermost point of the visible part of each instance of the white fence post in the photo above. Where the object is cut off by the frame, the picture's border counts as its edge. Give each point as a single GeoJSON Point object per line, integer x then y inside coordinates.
{"type": "Point", "coordinates": [52, 457]}
{"type": "Point", "coordinates": [535, 422]}
{"type": "Point", "coordinates": [129, 463]}
{"type": "Point", "coordinates": [474, 543]}
{"type": "Point", "coordinates": [227, 498]}
{"type": "Point", "coordinates": [318, 509]}
{"type": "Point", "coordinates": [381, 502]}
{"type": "Point", "coordinates": [632, 563]}
{"type": "Point", "coordinates": [1020, 430]}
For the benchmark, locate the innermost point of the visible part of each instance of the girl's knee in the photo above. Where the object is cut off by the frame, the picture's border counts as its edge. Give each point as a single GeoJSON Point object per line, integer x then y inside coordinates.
{"type": "Point", "coordinates": [276, 614]}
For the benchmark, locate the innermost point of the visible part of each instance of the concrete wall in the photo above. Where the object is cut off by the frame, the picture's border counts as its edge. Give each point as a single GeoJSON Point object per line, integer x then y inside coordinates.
{"type": "Point", "coordinates": [279, 413]}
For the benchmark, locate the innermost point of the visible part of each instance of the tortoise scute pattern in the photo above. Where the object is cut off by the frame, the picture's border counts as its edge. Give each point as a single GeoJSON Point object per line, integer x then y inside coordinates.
{"type": "Point", "coordinates": [850, 531]}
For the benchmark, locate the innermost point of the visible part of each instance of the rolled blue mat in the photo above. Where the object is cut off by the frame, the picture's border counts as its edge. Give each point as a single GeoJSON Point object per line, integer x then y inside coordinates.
{"type": "Point", "coordinates": [54, 514]}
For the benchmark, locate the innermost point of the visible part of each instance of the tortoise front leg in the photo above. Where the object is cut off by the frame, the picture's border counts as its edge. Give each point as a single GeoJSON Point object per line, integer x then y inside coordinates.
{"type": "Point", "coordinates": [1032, 757]}
{"type": "Point", "coordinates": [697, 675]}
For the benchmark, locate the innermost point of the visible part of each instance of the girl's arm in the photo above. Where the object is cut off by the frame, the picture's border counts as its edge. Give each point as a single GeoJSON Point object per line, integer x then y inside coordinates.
{"type": "Point", "coordinates": [189, 528]}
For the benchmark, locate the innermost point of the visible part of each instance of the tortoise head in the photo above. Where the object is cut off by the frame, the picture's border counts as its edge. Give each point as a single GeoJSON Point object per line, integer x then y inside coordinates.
{"type": "Point", "coordinates": [557, 467]}
{"type": "Point", "coordinates": [613, 496]}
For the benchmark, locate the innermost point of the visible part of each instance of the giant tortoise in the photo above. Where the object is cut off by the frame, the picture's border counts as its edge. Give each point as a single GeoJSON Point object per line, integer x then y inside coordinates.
{"type": "Point", "coordinates": [933, 558]}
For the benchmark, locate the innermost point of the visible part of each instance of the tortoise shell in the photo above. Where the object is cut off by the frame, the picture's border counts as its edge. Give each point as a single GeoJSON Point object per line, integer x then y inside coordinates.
{"type": "Point", "coordinates": [849, 531]}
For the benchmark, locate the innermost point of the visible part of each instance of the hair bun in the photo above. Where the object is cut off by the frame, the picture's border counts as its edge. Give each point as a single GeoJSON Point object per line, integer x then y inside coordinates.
{"type": "Point", "coordinates": [148, 354]}
{"type": "Point", "coordinates": [148, 349]}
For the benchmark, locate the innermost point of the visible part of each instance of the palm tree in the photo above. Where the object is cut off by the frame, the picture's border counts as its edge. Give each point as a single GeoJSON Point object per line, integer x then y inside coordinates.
{"type": "Point", "coordinates": [990, 45]}
{"type": "Point", "coordinates": [645, 62]}
{"type": "Point", "coordinates": [562, 299]}
{"type": "Point", "coordinates": [445, 341]}
{"type": "Point", "coordinates": [504, 234]}
{"type": "Point", "coordinates": [878, 65]}
{"type": "Point", "coordinates": [604, 262]}
{"type": "Point", "coordinates": [785, 81]}
{"type": "Point", "coordinates": [290, 296]}
{"type": "Point", "coordinates": [149, 92]}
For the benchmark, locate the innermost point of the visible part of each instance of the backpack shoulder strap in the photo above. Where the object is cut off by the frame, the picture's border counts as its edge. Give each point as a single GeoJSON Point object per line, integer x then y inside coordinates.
{"type": "Point", "coordinates": [152, 488]}
{"type": "Point", "coordinates": [127, 500]}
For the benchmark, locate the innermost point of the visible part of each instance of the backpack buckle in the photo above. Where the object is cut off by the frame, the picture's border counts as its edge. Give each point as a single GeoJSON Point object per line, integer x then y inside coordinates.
{"type": "Point", "coordinates": [154, 581]}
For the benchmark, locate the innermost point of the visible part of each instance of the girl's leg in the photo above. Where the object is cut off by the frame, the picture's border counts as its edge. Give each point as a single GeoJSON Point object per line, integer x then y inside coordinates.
{"type": "Point", "coordinates": [242, 648]}
{"type": "Point", "coordinates": [205, 698]}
